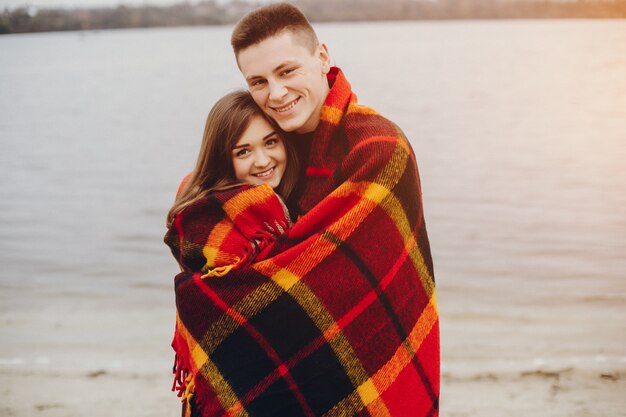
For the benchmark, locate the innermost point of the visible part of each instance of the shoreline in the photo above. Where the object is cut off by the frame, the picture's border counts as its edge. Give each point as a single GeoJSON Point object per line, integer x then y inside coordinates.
{"type": "Point", "coordinates": [64, 393]}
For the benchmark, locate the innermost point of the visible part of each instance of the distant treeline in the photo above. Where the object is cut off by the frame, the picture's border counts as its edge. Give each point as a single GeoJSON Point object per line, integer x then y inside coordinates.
{"type": "Point", "coordinates": [211, 12]}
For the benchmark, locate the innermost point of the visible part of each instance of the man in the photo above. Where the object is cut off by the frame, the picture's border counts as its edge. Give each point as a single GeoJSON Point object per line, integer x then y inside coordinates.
{"type": "Point", "coordinates": [285, 69]}
{"type": "Point", "coordinates": [342, 319]}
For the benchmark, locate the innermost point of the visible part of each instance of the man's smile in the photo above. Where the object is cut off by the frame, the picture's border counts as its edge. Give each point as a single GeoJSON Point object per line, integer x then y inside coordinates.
{"type": "Point", "coordinates": [286, 107]}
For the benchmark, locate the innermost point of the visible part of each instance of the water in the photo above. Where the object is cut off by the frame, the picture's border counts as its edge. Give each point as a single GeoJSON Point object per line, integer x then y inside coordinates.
{"type": "Point", "coordinates": [518, 127]}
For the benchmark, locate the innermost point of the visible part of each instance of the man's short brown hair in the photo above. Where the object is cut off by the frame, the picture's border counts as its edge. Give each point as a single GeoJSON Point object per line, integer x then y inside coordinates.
{"type": "Point", "coordinates": [268, 21]}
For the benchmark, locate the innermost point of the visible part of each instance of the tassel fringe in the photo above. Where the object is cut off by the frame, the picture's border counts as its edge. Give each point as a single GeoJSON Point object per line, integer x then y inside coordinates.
{"type": "Point", "coordinates": [184, 384]}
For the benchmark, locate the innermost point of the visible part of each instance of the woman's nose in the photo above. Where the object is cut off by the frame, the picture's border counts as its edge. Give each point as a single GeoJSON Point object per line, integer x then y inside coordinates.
{"type": "Point", "coordinates": [261, 159]}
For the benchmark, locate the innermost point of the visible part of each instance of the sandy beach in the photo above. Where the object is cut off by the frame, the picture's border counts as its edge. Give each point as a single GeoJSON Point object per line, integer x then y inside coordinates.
{"type": "Point", "coordinates": [560, 357]}
{"type": "Point", "coordinates": [88, 353]}
{"type": "Point", "coordinates": [566, 392]}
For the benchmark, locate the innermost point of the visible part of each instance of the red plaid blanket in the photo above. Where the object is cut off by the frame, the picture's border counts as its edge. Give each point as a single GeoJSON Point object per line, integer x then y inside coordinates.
{"type": "Point", "coordinates": [338, 316]}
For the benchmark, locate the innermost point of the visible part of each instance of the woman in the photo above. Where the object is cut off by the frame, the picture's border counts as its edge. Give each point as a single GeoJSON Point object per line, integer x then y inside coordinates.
{"type": "Point", "coordinates": [227, 213]}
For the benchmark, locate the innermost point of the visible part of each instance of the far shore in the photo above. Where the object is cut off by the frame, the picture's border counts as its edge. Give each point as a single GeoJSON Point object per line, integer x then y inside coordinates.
{"type": "Point", "coordinates": [28, 19]}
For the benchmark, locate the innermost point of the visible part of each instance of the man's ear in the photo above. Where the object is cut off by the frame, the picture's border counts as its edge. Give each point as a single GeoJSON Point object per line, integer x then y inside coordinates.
{"type": "Point", "coordinates": [324, 58]}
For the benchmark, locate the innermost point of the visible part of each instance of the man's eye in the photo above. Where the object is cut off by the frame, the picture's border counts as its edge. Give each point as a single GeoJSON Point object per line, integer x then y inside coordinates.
{"type": "Point", "coordinates": [288, 71]}
{"type": "Point", "coordinates": [257, 83]}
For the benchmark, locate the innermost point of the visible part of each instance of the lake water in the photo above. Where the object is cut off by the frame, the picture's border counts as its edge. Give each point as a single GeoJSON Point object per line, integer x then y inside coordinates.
{"type": "Point", "coordinates": [519, 128]}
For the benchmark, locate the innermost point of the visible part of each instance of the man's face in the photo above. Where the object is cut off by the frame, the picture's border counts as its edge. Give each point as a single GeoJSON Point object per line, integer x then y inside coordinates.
{"type": "Point", "coordinates": [287, 81]}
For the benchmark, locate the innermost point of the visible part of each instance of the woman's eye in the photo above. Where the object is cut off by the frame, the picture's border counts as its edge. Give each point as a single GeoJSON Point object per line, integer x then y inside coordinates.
{"type": "Point", "coordinates": [271, 142]}
{"type": "Point", "coordinates": [242, 152]}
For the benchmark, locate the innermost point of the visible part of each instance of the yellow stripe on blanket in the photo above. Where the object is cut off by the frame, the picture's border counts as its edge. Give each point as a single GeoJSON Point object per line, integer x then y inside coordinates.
{"type": "Point", "coordinates": [360, 109]}
{"type": "Point", "coordinates": [331, 115]}
{"type": "Point", "coordinates": [215, 239]}
{"type": "Point", "coordinates": [242, 201]}
{"type": "Point", "coordinates": [405, 352]}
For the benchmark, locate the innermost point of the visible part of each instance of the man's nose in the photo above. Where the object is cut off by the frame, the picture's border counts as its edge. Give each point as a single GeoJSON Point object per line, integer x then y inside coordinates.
{"type": "Point", "coordinates": [277, 90]}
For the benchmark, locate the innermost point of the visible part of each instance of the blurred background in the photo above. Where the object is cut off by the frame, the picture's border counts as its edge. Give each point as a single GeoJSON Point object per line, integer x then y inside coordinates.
{"type": "Point", "coordinates": [516, 111]}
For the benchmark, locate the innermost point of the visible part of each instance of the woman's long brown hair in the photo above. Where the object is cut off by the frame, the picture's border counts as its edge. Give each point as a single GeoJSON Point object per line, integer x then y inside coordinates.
{"type": "Point", "coordinates": [227, 121]}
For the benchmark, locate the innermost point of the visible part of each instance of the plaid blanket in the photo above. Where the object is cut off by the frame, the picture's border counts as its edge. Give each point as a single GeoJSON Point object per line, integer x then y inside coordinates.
{"type": "Point", "coordinates": [227, 230]}
{"type": "Point", "coordinates": [338, 316]}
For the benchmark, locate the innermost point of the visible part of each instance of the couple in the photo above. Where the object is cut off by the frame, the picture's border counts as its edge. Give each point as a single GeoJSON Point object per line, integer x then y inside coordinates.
{"type": "Point", "coordinates": [307, 286]}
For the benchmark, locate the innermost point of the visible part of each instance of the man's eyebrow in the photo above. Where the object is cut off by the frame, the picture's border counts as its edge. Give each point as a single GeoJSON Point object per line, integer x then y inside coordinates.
{"type": "Point", "coordinates": [277, 69]}
{"type": "Point", "coordinates": [283, 65]}
{"type": "Point", "coordinates": [253, 78]}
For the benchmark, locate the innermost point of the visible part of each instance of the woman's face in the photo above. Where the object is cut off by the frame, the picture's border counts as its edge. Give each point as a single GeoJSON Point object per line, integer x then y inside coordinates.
{"type": "Point", "coordinates": [259, 156]}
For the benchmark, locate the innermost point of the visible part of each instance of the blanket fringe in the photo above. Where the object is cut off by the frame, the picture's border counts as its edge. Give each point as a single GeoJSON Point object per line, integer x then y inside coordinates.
{"type": "Point", "coordinates": [184, 383]}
